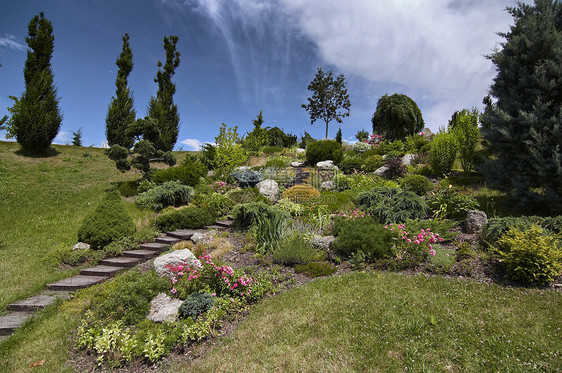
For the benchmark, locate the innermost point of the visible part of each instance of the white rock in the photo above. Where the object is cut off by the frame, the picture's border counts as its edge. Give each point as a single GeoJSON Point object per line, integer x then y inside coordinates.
{"type": "Point", "coordinates": [407, 159]}
{"type": "Point", "coordinates": [300, 150]}
{"type": "Point", "coordinates": [81, 246]}
{"type": "Point", "coordinates": [204, 237]}
{"type": "Point", "coordinates": [242, 168]}
{"type": "Point", "coordinates": [297, 164]}
{"type": "Point", "coordinates": [326, 165]}
{"type": "Point", "coordinates": [163, 308]}
{"type": "Point", "coordinates": [381, 171]}
{"type": "Point", "coordinates": [327, 185]}
{"type": "Point", "coordinates": [475, 221]}
{"type": "Point", "coordinates": [173, 259]}
{"type": "Point", "coordinates": [268, 188]}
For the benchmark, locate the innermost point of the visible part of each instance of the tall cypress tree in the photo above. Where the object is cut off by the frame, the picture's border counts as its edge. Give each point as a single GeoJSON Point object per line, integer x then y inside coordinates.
{"type": "Point", "coordinates": [36, 118]}
{"type": "Point", "coordinates": [121, 112]}
{"type": "Point", "coordinates": [162, 108]}
{"type": "Point", "coordinates": [523, 128]}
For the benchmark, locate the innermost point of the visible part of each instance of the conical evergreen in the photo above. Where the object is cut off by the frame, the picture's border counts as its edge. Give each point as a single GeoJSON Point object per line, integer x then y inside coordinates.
{"type": "Point", "coordinates": [121, 112]}
{"type": "Point", "coordinates": [36, 118]}
{"type": "Point", "coordinates": [162, 108]}
{"type": "Point", "coordinates": [523, 129]}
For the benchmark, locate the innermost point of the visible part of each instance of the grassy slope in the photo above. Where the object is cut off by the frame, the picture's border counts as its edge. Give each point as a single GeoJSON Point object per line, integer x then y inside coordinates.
{"type": "Point", "coordinates": [42, 204]}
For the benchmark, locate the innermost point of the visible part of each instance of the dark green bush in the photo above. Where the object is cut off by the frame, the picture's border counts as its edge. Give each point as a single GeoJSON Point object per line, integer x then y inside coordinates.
{"type": "Point", "coordinates": [498, 226]}
{"type": "Point", "coordinates": [276, 137]}
{"type": "Point", "coordinates": [207, 156]}
{"type": "Point", "coordinates": [417, 183]}
{"type": "Point", "coordinates": [392, 205]}
{"type": "Point", "coordinates": [187, 218]}
{"type": "Point", "coordinates": [323, 150]}
{"type": "Point", "coordinates": [128, 188]}
{"type": "Point", "coordinates": [187, 173]}
{"type": "Point", "coordinates": [363, 235]}
{"type": "Point", "coordinates": [247, 214]}
{"type": "Point", "coordinates": [110, 221]}
{"type": "Point", "coordinates": [351, 165]}
{"type": "Point", "coordinates": [531, 256]}
{"type": "Point", "coordinates": [272, 149]}
{"type": "Point", "coordinates": [195, 305]}
{"type": "Point", "coordinates": [316, 269]}
{"type": "Point", "coordinates": [171, 193]}
{"type": "Point", "coordinates": [372, 163]}
{"type": "Point", "coordinates": [128, 296]}
{"type": "Point", "coordinates": [275, 163]}
{"type": "Point", "coordinates": [247, 178]}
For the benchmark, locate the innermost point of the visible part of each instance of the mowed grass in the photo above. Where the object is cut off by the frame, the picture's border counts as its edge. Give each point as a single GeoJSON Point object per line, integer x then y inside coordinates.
{"type": "Point", "coordinates": [389, 322]}
{"type": "Point", "coordinates": [42, 204]}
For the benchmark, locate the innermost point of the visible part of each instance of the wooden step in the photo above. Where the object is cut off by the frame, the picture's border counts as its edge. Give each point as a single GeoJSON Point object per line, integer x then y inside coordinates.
{"type": "Point", "coordinates": [154, 246]}
{"type": "Point", "coordinates": [142, 254]}
{"type": "Point", "coordinates": [101, 270]}
{"type": "Point", "coordinates": [121, 261]}
{"type": "Point", "coordinates": [32, 304]}
{"type": "Point", "coordinates": [168, 240]}
{"type": "Point", "coordinates": [75, 283]}
{"type": "Point", "coordinates": [184, 234]}
{"type": "Point", "coordinates": [13, 321]}
{"type": "Point", "coordinates": [224, 223]}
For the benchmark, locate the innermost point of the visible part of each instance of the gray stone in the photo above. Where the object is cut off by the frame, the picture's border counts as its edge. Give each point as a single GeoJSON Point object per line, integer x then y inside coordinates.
{"type": "Point", "coordinates": [407, 159]}
{"type": "Point", "coordinates": [268, 188]}
{"type": "Point", "coordinates": [475, 221]}
{"type": "Point", "coordinates": [381, 171]}
{"type": "Point", "coordinates": [163, 308]}
{"type": "Point", "coordinates": [327, 185]}
{"type": "Point", "coordinates": [297, 164]}
{"type": "Point", "coordinates": [324, 243]}
{"type": "Point", "coordinates": [81, 246]}
{"type": "Point", "coordinates": [173, 259]}
{"type": "Point", "coordinates": [204, 237]}
{"type": "Point", "coordinates": [300, 150]}
{"type": "Point", "coordinates": [210, 173]}
{"type": "Point", "coordinates": [326, 165]}
{"type": "Point", "coordinates": [242, 168]}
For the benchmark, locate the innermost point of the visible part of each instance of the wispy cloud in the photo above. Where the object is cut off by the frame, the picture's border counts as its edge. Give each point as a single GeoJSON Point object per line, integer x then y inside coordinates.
{"type": "Point", "coordinates": [192, 144]}
{"type": "Point", "coordinates": [63, 137]}
{"type": "Point", "coordinates": [9, 41]}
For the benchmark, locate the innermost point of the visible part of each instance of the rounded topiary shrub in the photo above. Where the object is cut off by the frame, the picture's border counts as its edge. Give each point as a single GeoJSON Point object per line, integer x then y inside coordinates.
{"type": "Point", "coordinates": [323, 150]}
{"type": "Point", "coordinates": [417, 183]}
{"type": "Point", "coordinates": [372, 163]}
{"type": "Point", "coordinates": [363, 234]}
{"type": "Point", "coordinates": [195, 305]}
{"type": "Point", "coordinates": [351, 165]}
{"type": "Point", "coordinates": [110, 221]}
{"type": "Point", "coordinates": [300, 193]}
{"type": "Point", "coordinates": [186, 218]}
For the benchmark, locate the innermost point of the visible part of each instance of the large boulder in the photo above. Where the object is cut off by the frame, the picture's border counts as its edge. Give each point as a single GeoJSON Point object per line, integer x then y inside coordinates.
{"type": "Point", "coordinates": [173, 259]}
{"type": "Point", "coordinates": [204, 237]}
{"type": "Point", "coordinates": [164, 309]}
{"type": "Point", "coordinates": [381, 171]}
{"type": "Point", "coordinates": [297, 164]}
{"type": "Point", "coordinates": [407, 159]}
{"type": "Point", "coordinates": [475, 221]}
{"type": "Point", "coordinates": [268, 188]}
{"type": "Point", "coordinates": [81, 246]}
{"type": "Point", "coordinates": [326, 165]}
{"type": "Point", "coordinates": [324, 243]}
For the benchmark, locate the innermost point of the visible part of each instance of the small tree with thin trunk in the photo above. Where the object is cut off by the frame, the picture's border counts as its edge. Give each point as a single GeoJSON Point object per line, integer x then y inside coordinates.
{"type": "Point", "coordinates": [329, 100]}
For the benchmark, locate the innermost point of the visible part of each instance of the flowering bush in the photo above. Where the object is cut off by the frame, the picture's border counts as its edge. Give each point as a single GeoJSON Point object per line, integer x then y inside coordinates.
{"type": "Point", "coordinates": [222, 187]}
{"type": "Point", "coordinates": [355, 214]}
{"type": "Point", "coordinates": [361, 147]}
{"type": "Point", "coordinates": [374, 140]}
{"type": "Point", "coordinates": [418, 245]}
{"type": "Point", "coordinates": [208, 277]}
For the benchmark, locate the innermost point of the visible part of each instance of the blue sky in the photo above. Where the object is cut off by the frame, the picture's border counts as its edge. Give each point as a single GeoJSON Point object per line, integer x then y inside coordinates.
{"type": "Point", "coordinates": [242, 56]}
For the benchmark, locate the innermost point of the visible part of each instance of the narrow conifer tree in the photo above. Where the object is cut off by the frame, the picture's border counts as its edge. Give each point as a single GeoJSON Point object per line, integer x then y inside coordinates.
{"type": "Point", "coordinates": [36, 118]}
{"type": "Point", "coordinates": [161, 107]}
{"type": "Point", "coordinates": [121, 112]}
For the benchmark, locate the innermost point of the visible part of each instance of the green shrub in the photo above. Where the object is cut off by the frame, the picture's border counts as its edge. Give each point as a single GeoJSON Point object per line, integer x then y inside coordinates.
{"type": "Point", "coordinates": [246, 195]}
{"type": "Point", "coordinates": [392, 205]}
{"type": "Point", "coordinates": [372, 163]}
{"type": "Point", "coordinates": [276, 137]}
{"type": "Point", "coordinates": [195, 305]}
{"type": "Point", "coordinates": [171, 193]}
{"type": "Point", "coordinates": [496, 227]}
{"type": "Point", "coordinates": [285, 204]}
{"type": "Point", "coordinates": [247, 178]}
{"type": "Point", "coordinates": [248, 214]}
{"type": "Point", "coordinates": [417, 183]}
{"type": "Point", "coordinates": [207, 155]}
{"type": "Point", "coordinates": [531, 256]}
{"type": "Point", "coordinates": [128, 296]}
{"type": "Point", "coordinates": [272, 149]}
{"type": "Point", "coordinates": [188, 173]}
{"type": "Point", "coordinates": [351, 165]}
{"type": "Point", "coordinates": [448, 204]}
{"type": "Point", "coordinates": [295, 249]}
{"type": "Point", "coordinates": [278, 162]}
{"type": "Point", "coordinates": [300, 193]}
{"type": "Point", "coordinates": [443, 153]}
{"type": "Point", "coordinates": [323, 150]}
{"type": "Point", "coordinates": [316, 269]}
{"type": "Point", "coordinates": [186, 218]}
{"type": "Point", "coordinates": [363, 235]}
{"type": "Point", "coordinates": [110, 221]}
{"type": "Point", "coordinates": [218, 204]}
{"type": "Point", "coordinates": [128, 188]}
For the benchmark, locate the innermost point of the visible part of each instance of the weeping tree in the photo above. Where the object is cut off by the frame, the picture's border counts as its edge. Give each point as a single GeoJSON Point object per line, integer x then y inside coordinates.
{"type": "Point", "coordinates": [121, 112]}
{"type": "Point", "coordinates": [397, 117]}
{"type": "Point", "coordinates": [161, 107]}
{"type": "Point", "coordinates": [523, 125]}
{"type": "Point", "coordinates": [35, 117]}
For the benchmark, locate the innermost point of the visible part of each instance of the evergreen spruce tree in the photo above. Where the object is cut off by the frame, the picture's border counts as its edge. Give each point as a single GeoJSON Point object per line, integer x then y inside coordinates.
{"type": "Point", "coordinates": [523, 128]}
{"type": "Point", "coordinates": [162, 108]}
{"type": "Point", "coordinates": [121, 112]}
{"type": "Point", "coordinates": [36, 118]}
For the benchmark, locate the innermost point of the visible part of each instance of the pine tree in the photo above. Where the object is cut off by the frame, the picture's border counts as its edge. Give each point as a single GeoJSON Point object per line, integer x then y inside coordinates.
{"type": "Point", "coordinates": [36, 118]}
{"type": "Point", "coordinates": [162, 108]}
{"type": "Point", "coordinates": [339, 136]}
{"type": "Point", "coordinates": [121, 112]}
{"type": "Point", "coordinates": [523, 128]}
{"type": "Point", "coordinates": [77, 137]}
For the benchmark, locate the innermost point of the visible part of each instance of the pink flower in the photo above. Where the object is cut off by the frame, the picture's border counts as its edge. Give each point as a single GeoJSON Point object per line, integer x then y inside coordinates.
{"type": "Point", "coordinates": [174, 290]}
{"type": "Point", "coordinates": [432, 252]}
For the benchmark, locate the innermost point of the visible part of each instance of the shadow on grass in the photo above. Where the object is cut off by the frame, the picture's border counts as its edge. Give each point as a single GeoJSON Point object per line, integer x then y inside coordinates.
{"type": "Point", "coordinates": [51, 152]}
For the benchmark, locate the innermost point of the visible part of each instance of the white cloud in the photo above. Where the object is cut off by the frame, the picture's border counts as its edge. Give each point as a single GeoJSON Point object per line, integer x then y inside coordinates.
{"type": "Point", "coordinates": [192, 144]}
{"type": "Point", "coordinates": [63, 137]}
{"type": "Point", "coordinates": [10, 41]}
